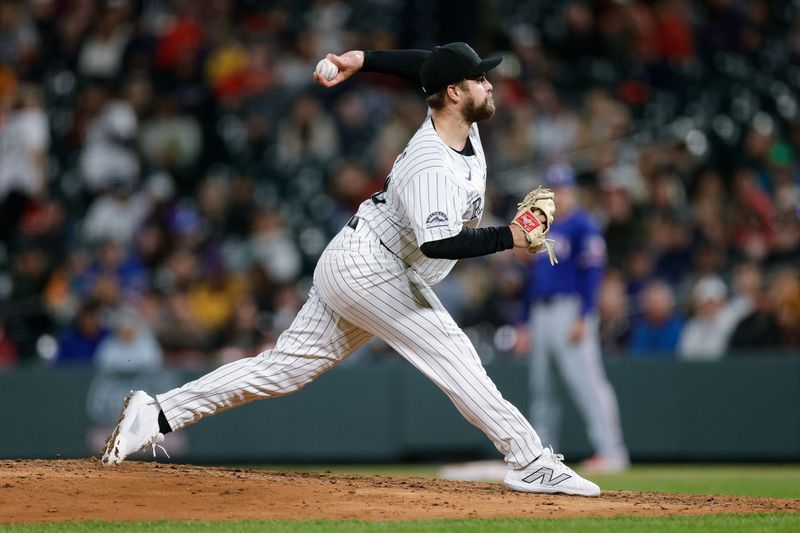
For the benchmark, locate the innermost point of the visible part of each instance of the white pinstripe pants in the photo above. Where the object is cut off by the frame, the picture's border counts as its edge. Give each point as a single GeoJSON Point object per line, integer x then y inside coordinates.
{"type": "Point", "coordinates": [360, 290]}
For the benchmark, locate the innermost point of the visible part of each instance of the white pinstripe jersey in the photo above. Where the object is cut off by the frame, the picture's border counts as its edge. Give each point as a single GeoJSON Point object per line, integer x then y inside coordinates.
{"type": "Point", "coordinates": [430, 194]}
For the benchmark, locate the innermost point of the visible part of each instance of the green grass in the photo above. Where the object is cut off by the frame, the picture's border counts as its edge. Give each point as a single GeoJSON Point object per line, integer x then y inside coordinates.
{"type": "Point", "coordinates": [774, 481]}
{"type": "Point", "coordinates": [780, 481]}
{"type": "Point", "coordinates": [726, 523]}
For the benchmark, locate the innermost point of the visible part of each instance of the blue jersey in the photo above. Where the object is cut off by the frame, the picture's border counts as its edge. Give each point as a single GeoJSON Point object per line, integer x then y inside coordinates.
{"type": "Point", "coordinates": [581, 252]}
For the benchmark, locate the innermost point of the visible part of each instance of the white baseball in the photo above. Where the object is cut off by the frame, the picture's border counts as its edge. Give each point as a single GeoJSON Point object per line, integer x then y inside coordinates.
{"type": "Point", "coordinates": [327, 69]}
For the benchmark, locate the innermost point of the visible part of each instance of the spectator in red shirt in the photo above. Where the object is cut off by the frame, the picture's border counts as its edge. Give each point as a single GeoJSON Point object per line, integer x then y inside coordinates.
{"type": "Point", "coordinates": [753, 226]}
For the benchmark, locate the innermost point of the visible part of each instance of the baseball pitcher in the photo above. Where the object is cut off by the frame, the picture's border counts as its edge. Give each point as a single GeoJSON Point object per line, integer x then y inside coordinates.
{"type": "Point", "coordinates": [375, 278]}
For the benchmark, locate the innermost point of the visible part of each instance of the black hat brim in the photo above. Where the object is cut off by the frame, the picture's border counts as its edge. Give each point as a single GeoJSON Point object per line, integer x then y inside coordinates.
{"type": "Point", "coordinates": [487, 64]}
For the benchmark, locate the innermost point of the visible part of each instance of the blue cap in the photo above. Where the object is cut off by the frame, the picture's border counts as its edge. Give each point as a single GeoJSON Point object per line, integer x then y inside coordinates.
{"type": "Point", "coordinates": [559, 175]}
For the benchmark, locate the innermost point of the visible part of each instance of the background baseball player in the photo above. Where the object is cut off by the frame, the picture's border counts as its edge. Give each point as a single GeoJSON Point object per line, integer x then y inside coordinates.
{"type": "Point", "coordinates": [564, 329]}
{"type": "Point", "coordinates": [375, 278]}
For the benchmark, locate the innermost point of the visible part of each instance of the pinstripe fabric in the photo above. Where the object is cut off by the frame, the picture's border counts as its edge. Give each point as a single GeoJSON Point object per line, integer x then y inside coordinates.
{"type": "Point", "coordinates": [366, 284]}
{"type": "Point", "coordinates": [428, 178]}
{"type": "Point", "coordinates": [374, 281]}
{"type": "Point", "coordinates": [315, 342]}
{"type": "Point", "coordinates": [360, 290]}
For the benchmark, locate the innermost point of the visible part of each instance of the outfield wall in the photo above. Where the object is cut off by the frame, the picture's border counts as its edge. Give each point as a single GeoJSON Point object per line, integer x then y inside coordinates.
{"type": "Point", "coordinates": [736, 409]}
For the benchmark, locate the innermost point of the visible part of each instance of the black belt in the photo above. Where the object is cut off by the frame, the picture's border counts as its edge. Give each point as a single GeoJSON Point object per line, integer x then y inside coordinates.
{"type": "Point", "coordinates": [353, 224]}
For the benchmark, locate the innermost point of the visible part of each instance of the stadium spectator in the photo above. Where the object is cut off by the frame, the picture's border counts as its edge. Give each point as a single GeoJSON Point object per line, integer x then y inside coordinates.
{"type": "Point", "coordinates": [170, 140]}
{"type": "Point", "coordinates": [103, 50]}
{"type": "Point", "coordinates": [111, 259]}
{"type": "Point", "coordinates": [108, 139]}
{"type": "Point", "coordinates": [656, 332]}
{"type": "Point", "coordinates": [186, 131]}
{"type": "Point", "coordinates": [245, 334]}
{"type": "Point", "coordinates": [24, 140]}
{"type": "Point", "coordinates": [710, 208]}
{"type": "Point", "coordinates": [772, 325]}
{"type": "Point", "coordinates": [705, 335]}
{"type": "Point", "coordinates": [621, 220]}
{"type": "Point", "coordinates": [613, 307]}
{"type": "Point", "coordinates": [19, 40]}
{"type": "Point", "coordinates": [242, 206]}
{"type": "Point", "coordinates": [753, 228]}
{"type": "Point", "coordinates": [554, 128]}
{"type": "Point", "coordinates": [785, 294]}
{"type": "Point", "coordinates": [273, 249]}
{"type": "Point", "coordinates": [307, 135]}
{"type": "Point", "coordinates": [130, 346]}
{"type": "Point", "coordinates": [350, 184]}
{"type": "Point", "coordinates": [117, 214]}
{"type": "Point", "coordinates": [786, 244]}
{"type": "Point", "coordinates": [213, 297]}
{"type": "Point", "coordinates": [747, 284]}
{"type": "Point", "coordinates": [184, 341]}
{"type": "Point", "coordinates": [79, 342]}
{"type": "Point", "coordinates": [24, 143]}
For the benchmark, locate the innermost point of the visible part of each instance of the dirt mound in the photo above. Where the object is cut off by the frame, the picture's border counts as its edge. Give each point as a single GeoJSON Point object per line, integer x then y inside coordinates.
{"type": "Point", "coordinates": [53, 491]}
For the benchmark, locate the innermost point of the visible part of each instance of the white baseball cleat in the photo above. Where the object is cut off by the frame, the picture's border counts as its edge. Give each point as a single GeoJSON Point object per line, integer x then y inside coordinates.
{"type": "Point", "coordinates": [547, 474]}
{"type": "Point", "coordinates": [137, 428]}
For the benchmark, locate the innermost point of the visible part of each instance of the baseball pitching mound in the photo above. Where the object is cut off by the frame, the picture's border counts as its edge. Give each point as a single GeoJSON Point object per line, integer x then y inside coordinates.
{"type": "Point", "coordinates": [54, 491]}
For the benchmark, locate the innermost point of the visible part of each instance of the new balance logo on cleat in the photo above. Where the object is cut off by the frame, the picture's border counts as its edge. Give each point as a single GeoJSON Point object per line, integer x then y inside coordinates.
{"type": "Point", "coordinates": [548, 474]}
{"type": "Point", "coordinates": [545, 477]}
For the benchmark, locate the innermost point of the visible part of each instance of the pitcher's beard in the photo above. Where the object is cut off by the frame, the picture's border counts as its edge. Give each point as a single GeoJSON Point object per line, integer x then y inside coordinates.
{"type": "Point", "coordinates": [473, 113]}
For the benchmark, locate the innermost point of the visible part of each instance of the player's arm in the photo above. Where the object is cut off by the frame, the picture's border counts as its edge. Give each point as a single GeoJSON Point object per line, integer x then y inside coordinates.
{"type": "Point", "coordinates": [475, 242]}
{"type": "Point", "coordinates": [434, 204]}
{"type": "Point", "coordinates": [403, 63]}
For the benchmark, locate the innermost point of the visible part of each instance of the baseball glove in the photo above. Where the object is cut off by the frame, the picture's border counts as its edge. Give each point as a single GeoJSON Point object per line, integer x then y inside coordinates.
{"type": "Point", "coordinates": [537, 201]}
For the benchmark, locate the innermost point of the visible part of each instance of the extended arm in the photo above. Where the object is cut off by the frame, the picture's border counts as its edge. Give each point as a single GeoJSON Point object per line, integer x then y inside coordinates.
{"type": "Point", "coordinates": [475, 242]}
{"type": "Point", "coordinates": [470, 243]}
{"type": "Point", "coordinates": [403, 63]}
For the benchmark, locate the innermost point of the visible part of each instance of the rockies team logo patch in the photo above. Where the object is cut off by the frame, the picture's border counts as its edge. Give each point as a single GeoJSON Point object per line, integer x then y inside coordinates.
{"type": "Point", "coordinates": [436, 219]}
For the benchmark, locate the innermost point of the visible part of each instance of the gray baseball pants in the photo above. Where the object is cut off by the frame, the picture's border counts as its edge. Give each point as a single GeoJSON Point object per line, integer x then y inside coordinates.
{"type": "Point", "coordinates": [580, 366]}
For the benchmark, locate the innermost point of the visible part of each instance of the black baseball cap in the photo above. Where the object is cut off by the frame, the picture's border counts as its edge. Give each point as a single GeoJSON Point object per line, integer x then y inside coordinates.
{"type": "Point", "coordinates": [450, 63]}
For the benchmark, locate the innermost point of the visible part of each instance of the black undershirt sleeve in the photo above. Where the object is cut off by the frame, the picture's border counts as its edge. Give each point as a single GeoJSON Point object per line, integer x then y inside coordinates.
{"type": "Point", "coordinates": [470, 243]}
{"type": "Point", "coordinates": [403, 63]}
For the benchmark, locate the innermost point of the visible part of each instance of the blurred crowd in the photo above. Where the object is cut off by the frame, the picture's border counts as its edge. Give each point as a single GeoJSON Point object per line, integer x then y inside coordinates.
{"type": "Point", "coordinates": [169, 173]}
